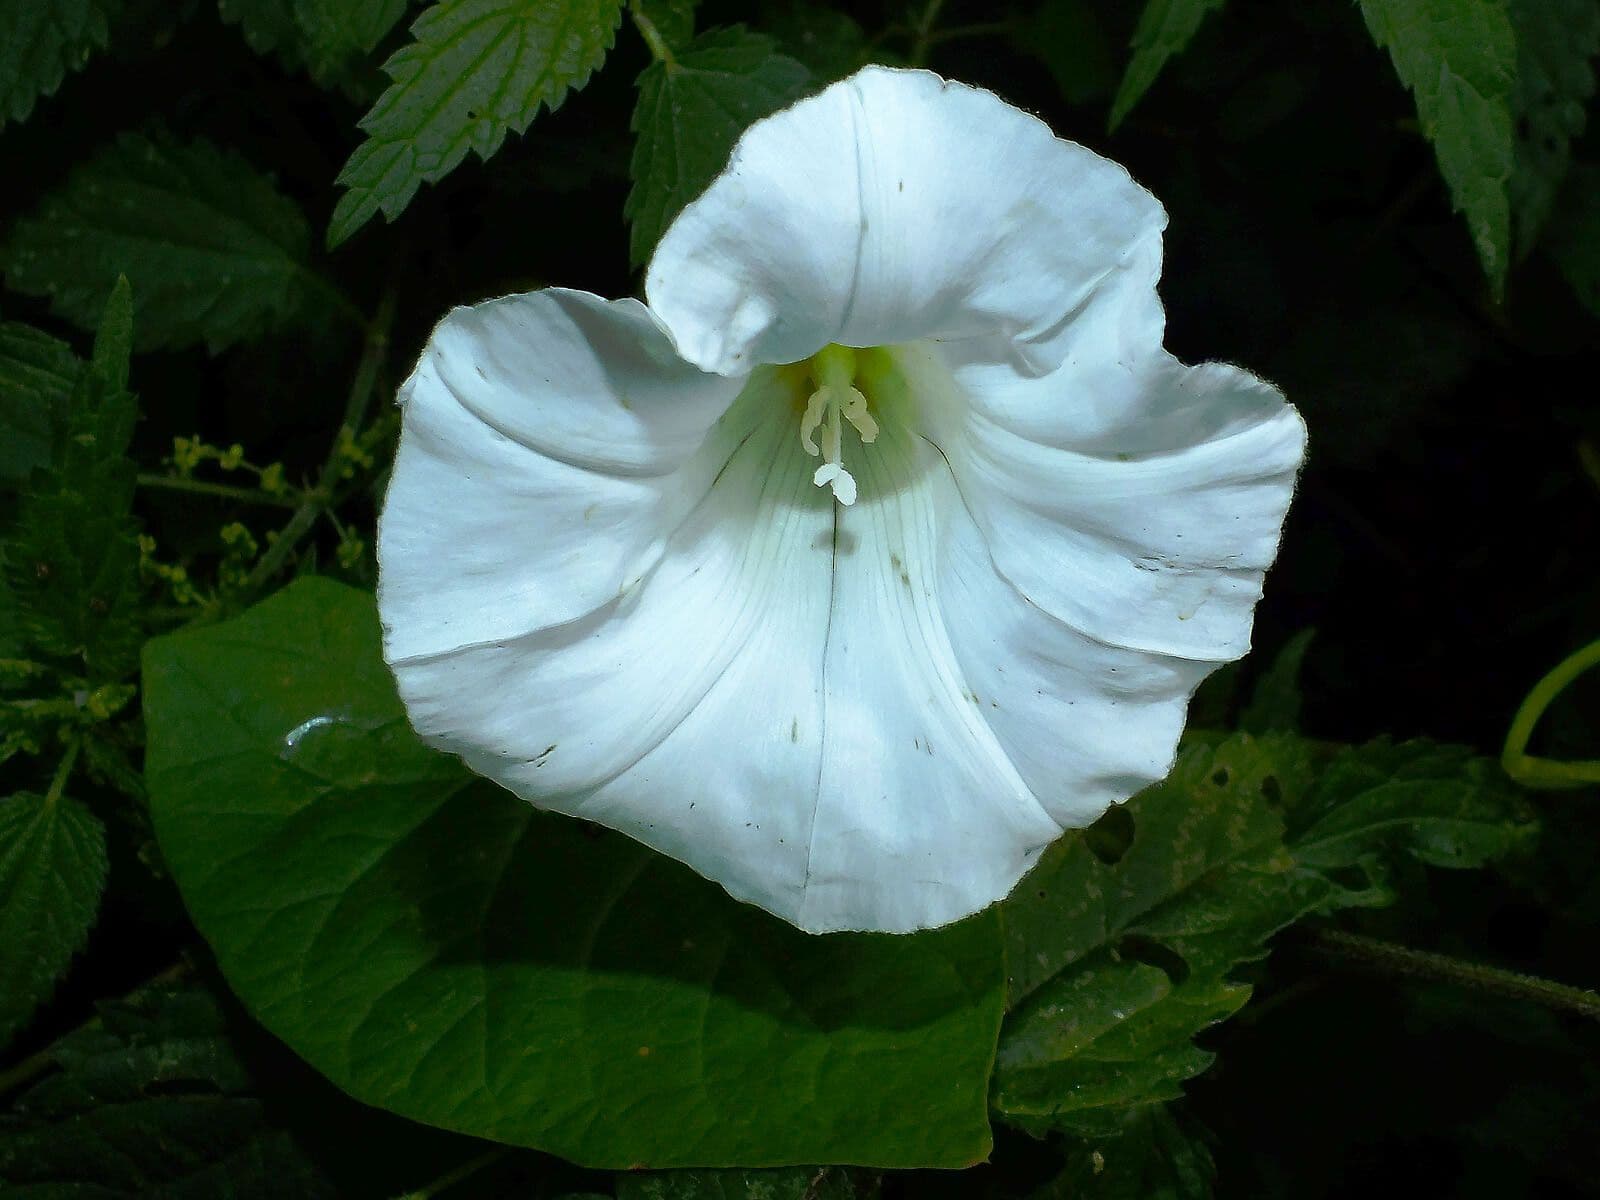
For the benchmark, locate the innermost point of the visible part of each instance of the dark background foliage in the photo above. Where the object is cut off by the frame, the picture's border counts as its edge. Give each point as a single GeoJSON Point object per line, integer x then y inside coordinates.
{"type": "Point", "coordinates": [1442, 545]}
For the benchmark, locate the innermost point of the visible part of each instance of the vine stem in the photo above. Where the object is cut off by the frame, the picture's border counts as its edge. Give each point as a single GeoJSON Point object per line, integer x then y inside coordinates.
{"type": "Point", "coordinates": [1530, 770]}
{"type": "Point", "coordinates": [224, 491]}
{"type": "Point", "coordinates": [659, 50]}
{"type": "Point", "coordinates": [924, 37]}
{"type": "Point", "coordinates": [373, 353]}
{"type": "Point", "coordinates": [450, 1178]}
{"type": "Point", "coordinates": [1424, 964]}
{"type": "Point", "coordinates": [58, 783]}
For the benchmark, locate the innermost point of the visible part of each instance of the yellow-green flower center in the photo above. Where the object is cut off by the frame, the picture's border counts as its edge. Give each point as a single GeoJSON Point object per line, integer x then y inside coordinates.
{"type": "Point", "coordinates": [847, 385]}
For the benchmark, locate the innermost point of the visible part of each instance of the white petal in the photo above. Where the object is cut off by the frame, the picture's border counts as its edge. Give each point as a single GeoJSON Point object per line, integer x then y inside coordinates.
{"type": "Point", "coordinates": [1138, 501]}
{"type": "Point", "coordinates": [551, 442]}
{"type": "Point", "coordinates": [894, 206]}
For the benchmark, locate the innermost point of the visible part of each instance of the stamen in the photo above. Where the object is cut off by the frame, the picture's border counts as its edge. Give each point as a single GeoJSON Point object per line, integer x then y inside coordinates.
{"type": "Point", "coordinates": [835, 401]}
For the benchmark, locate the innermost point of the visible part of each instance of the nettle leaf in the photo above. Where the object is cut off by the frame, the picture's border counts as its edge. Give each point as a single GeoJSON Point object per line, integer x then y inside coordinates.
{"type": "Point", "coordinates": [37, 375]}
{"type": "Point", "coordinates": [673, 20]}
{"type": "Point", "coordinates": [1439, 804]}
{"type": "Point", "coordinates": [71, 566]}
{"type": "Point", "coordinates": [691, 110]}
{"type": "Point", "coordinates": [1153, 1154]}
{"type": "Point", "coordinates": [215, 252]}
{"type": "Point", "coordinates": [477, 70]}
{"type": "Point", "coordinates": [441, 949]}
{"type": "Point", "coordinates": [1573, 240]}
{"type": "Point", "coordinates": [783, 1183]}
{"type": "Point", "coordinates": [325, 36]}
{"type": "Point", "coordinates": [1275, 703]}
{"type": "Point", "coordinates": [42, 40]}
{"type": "Point", "coordinates": [828, 43]}
{"type": "Point", "coordinates": [1459, 59]}
{"type": "Point", "coordinates": [1166, 27]}
{"type": "Point", "coordinates": [1556, 39]}
{"type": "Point", "coordinates": [1117, 957]}
{"type": "Point", "coordinates": [52, 873]}
{"type": "Point", "coordinates": [151, 1100]}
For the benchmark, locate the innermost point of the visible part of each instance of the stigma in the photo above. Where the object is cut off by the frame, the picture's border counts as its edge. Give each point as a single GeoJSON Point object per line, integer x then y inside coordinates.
{"type": "Point", "coordinates": [836, 401]}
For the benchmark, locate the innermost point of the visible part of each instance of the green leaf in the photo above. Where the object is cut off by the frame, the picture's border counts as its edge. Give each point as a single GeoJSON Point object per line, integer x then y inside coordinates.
{"type": "Point", "coordinates": [439, 948]}
{"type": "Point", "coordinates": [42, 40]}
{"type": "Point", "coordinates": [828, 43]}
{"type": "Point", "coordinates": [1165, 28]}
{"type": "Point", "coordinates": [71, 567]}
{"type": "Point", "coordinates": [673, 20]}
{"type": "Point", "coordinates": [215, 253]}
{"type": "Point", "coordinates": [52, 872]}
{"type": "Point", "coordinates": [1459, 58]}
{"type": "Point", "coordinates": [1114, 966]}
{"type": "Point", "coordinates": [1153, 1155]}
{"type": "Point", "coordinates": [477, 70]}
{"type": "Point", "coordinates": [1066, 35]}
{"type": "Point", "coordinates": [37, 375]}
{"type": "Point", "coordinates": [691, 110]}
{"type": "Point", "coordinates": [1573, 239]}
{"type": "Point", "coordinates": [1556, 39]}
{"type": "Point", "coordinates": [327, 37]}
{"type": "Point", "coordinates": [784, 1183]}
{"type": "Point", "coordinates": [1275, 704]}
{"type": "Point", "coordinates": [1439, 804]}
{"type": "Point", "coordinates": [150, 1101]}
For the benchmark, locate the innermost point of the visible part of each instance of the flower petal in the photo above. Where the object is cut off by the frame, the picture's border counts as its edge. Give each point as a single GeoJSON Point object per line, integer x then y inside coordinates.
{"type": "Point", "coordinates": [551, 442]}
{"type": "Point", "coordinates": [894, 206]}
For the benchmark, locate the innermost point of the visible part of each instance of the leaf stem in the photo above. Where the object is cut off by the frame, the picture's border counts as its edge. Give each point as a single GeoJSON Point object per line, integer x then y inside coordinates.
{"type": "Point", "coordinates": [450, 1178]}
{"type": "Point", "coordinates": [1530, 770]}
{"type": "Point", "coordinates": [1422, 964]}
{"type": "Point", "coordinates": [923, 37]}
{"type": "Point", "coordinates": [373, 353]}
{"type": "Point", "coordinates": [223, 491]}
{"type": "Point", "coordinates": [58, 783]}
{"type": "Point", "coordinates": [659, 50]}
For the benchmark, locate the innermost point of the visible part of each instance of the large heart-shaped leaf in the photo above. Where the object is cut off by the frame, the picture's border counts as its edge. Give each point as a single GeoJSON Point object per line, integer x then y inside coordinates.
{"type": "Point", "coordinates": [437, 947]}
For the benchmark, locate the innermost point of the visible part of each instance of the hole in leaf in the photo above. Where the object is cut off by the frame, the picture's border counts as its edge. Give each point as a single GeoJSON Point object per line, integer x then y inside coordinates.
{"type": "Point", "coordinates": [1155, 954]}
{"type": "Point", "coordinates": [1108, 838]}
{"type": "Point", "coordinates": [1221, 777]}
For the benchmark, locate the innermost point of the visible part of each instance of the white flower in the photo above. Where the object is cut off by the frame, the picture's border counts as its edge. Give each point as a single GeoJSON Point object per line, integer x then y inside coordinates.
{"type": "Point", "coordinates": [853, 632]}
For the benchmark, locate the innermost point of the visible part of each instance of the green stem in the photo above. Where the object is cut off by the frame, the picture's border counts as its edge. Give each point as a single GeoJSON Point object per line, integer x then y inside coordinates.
{"type": "Point", "coordinates": [58, 784]}
{"type": "Point", "coordinates": [924, 37]}
{"type": "Point", "coordinates": [223, 491]}
{"type": "Point", "coordinates": [1530, 770]}
{"type": "Point", "coordinates": [1422, 964]}
{"type": "Point", "coordinates": [373, 353]}
{"type": "Point", "coordinates": [450, 1178]}
{"type": "Point", "coordinates": [659, 50]}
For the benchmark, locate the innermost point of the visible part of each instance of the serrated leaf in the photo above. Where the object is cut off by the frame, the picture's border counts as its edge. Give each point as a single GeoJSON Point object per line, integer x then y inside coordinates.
{"type": "Point", "coordinates": [783, 1183]}
{"type": "Point", "coordinates": [215, 252]}
{"type": "Point", "coordinates": [326, 37]}
{"type": "Point", "coordinates": [1556, 39]}
{"type": "Point", "coordinates": [37, 375]}
{"type": "Point", "coordinates": [690, 112]}
{"type": "Point", "coordinates": [1440, 804]}
{"type": "Point", "coordinates": [1152, 1155]}
{"type": "Point", "coordinates": [1459, 59]}
{"type": "Point", "coordinates": [150, 1101]}
{"type": "Point", "coordinates": [52, 872]}
{"type": "Point", "coordinates": [672, 19]}
{"type": "Point", "coordinates": [477, 70]}
{"type": "Point", "coordinates": [1114, 967]}
{"type": "Point", "coordinates": [443, 950]}
{"type": "Point", "coordinates": [828, 43]}
{"type": "Point", "coordinates": [42, 40]}
{"type": "Point", "coordinates": [1275, 703]}
{"type": "Point", "coordinates": [1165, 28]}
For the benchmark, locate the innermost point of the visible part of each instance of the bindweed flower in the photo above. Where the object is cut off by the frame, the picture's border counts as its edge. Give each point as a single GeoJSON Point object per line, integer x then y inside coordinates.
{"type": "Point", "coordinates": [885, 544]}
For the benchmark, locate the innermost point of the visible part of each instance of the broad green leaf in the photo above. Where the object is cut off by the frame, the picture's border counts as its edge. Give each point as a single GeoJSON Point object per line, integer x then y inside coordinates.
{"type": "Point", "coordinates": [150, 1101]}
{"type": "Point", "coordinates": [477, 70]}
{"type": "Point", "coordinates": [215, 252]}
{"type": "Point", "coordinates": [784, 1183]}
{"type": "Point", "coordinates": [52, 871]}
{"type": "Point", "coordinates": [672, 20]}
{"type": "Point", "coordinates": [1573, 239]}
{"type": "Point", "coordinates": [691, 110]}
{"type": "Point", "coordinates": [40, 41]}
{"type": "Point", "coordinates": [1439, 804]}
{"type": "Point", "coordinates": [37, 375]}
{"type": "Point", "coordinates": [1114, 966]}
{"type": "Point", "coordinates": [1275, 704]}
{"type": "Point", "coordinates": [325, 36]}
{"type": "Point", "coordinates": [1165, 28]}
{"type": "Point", "coordinates": [828, 43]}
{"type": "Point", "coordinates": [1556, 39]}
{"type": "Point", "coordinates": [1153, 1155]}
{"type": "Point", "coordinates": [443, 950]}
{"type": "Point", "coordinates": [1066, 35]}
{"type": "Point", "coordinates": [1459, 59]}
